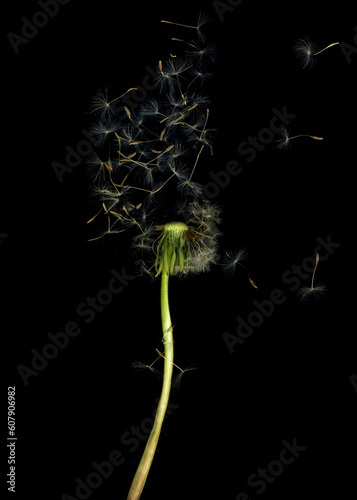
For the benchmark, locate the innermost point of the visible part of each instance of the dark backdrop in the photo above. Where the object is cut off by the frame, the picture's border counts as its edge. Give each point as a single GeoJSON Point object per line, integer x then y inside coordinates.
{"type": "Point", "coordinates": [293, 378]}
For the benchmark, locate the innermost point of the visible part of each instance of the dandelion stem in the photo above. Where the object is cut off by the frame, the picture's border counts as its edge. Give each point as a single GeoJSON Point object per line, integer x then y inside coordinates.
{"type": "Point", "coordinates": [150, 448]}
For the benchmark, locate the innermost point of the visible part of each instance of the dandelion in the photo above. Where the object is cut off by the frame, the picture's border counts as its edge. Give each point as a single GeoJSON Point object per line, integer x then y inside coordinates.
{"type": "Point", "coordinates": [306, 49]}
{"type": "Point", "coordinates": [144, 187]}
{"type": "Point", "coordinates": [306, 292]}
{"type": "Point", "coordinates": [285, 141]}
{"type": "Point", "coordinates": [179, 249]}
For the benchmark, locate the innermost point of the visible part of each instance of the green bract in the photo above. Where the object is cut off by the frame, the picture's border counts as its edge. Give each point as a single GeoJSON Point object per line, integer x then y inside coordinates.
{"type": "Point", "coordinates": [173, 249]}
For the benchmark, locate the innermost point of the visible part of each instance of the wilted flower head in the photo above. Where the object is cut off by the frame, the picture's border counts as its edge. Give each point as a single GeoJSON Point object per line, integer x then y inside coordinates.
{"type": "Point", "coordinates": [184, 248]}
{"type": "Point", "coordinates": [145, 170]}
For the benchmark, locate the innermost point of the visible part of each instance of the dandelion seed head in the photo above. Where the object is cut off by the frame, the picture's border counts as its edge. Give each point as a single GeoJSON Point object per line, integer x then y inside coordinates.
{"type": "Point", "coordinates": [186, 248]}
{"type": "Point", "coordinates": [202, 259]}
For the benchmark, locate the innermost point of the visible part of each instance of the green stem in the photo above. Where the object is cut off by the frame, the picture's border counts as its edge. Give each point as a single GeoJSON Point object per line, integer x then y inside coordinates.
{"type": "Point", "coordinates": [150, 448]}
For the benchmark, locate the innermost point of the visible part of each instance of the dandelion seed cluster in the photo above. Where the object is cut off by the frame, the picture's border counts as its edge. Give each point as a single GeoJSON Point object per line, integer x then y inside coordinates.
{"type": "Point", "coordinates": [143, 172]}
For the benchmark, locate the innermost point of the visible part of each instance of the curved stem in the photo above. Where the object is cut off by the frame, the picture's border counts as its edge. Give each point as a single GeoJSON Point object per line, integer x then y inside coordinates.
{"type": "Point", "coordinates": [150, 448]}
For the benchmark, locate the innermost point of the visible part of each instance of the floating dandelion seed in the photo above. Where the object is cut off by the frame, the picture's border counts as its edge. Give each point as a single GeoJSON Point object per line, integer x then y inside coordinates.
{"type": "Point", "coordinates": [284, 142]}
{"type": "Point", "coordinates": [306, 49]}
{"type": "Point", "coordinates": [232, 259]}
{"type": "Point", "coordinates": [102, 106]}
{"type": "Point", "coordinates": [312, 291]}
{"type": "Point", "coordinates": [138, 366]}
{"type": "Point", "coordinates": [202, 19]}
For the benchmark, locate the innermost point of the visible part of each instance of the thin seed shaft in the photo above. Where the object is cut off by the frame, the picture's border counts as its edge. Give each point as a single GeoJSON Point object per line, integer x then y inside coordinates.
{"type": "Point", "coordinates": [331, 45]}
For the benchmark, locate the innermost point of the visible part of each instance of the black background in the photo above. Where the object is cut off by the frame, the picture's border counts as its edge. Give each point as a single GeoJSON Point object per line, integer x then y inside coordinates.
{"type": "Point", "coordinates": [292, 378]}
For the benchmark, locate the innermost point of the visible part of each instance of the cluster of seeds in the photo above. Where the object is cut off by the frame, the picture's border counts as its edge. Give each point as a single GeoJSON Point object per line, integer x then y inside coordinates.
{"type": "Point", "coordinates": [144, 170]}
